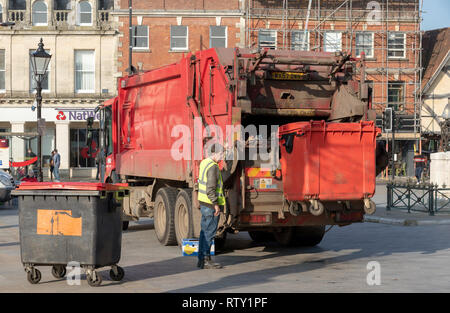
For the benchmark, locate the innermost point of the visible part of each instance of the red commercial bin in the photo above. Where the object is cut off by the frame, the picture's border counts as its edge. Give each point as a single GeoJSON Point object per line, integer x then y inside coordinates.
{"type": "Point", "coordinates": [328, 161]}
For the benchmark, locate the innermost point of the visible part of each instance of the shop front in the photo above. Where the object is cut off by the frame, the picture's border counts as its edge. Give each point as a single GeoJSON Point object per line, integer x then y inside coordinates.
{"type": "Point", "coordinates": [65, 130]}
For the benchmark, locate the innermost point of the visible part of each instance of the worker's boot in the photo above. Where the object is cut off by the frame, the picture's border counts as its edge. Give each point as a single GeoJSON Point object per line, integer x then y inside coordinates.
{"type": "Point", "coordinates": [209, 264]}
{"type": "Point", "coordinates": [200, 263]}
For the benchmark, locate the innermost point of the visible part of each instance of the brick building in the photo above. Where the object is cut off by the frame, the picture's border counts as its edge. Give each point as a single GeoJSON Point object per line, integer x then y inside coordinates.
{"type": "Point", "coordinates": [163, 30]}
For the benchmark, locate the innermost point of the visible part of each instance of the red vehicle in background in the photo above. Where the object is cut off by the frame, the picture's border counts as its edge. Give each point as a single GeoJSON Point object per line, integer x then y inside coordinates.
{"type": "Point", "coordinates": [326, 146]}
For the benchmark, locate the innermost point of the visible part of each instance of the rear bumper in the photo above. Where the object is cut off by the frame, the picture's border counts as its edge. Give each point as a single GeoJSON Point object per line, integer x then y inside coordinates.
{"type": "Point", "coordinates": [303, 219]}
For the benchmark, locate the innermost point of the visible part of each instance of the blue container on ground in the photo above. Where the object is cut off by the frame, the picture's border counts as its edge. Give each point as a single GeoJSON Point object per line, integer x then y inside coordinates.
{"type": "Point", "coordinates": [189, 247]}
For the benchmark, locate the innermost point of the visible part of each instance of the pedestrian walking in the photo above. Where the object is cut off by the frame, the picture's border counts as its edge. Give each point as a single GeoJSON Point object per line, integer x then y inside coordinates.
{"type": "Point", "coordinates": [212, 201]}
{"type": "Point", "coordinates": [98, 161]}
{"type": "Point", "coordinates": [52, 165]}
{"type": "Point", "coordinates": [419, 162]}
{"type": "Point", "coordinates": [56, 163]}
{"type": "Point", "coordinates": [28, 156]}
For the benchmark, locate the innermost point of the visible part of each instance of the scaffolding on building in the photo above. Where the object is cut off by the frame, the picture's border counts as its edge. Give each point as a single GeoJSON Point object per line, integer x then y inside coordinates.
{"type": "Point", "coordinates": [285, 20]}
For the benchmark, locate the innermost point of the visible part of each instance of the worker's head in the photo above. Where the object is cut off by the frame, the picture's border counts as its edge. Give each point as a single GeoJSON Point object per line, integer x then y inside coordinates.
{"type": "Point", "coordinates": [215, 152]}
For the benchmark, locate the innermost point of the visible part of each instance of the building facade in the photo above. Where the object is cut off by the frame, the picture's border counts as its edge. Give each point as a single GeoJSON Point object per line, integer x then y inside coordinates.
{"type": "Point", "coordinates": [163, 30]}
{"type": "Point", "coordinates": [435, 89]}
{"type": "Point", "coordinates": [80, 36]}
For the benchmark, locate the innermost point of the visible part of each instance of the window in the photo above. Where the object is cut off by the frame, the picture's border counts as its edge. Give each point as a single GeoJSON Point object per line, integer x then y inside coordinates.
{"type": "Point", "coordinates": [140, 37]}
{"type": "Point", "coordinates": [396, 95]}
{"type": "Point", "coordinates": [17, 5]}
{"type": "Point", "coordinates": [178, 38]}
{"type": "Point", "coordinates": [84, 14]}
{"type": "Point", "coordinates": [218, 36]}
{"type": "Point", "coordinates": [109, 130]}
{"type": "Point", "coordinates": [79, 152]}
{"type": "Point", "coordinates": [106, 4]}
{"type": "Point", "coordinates": [332, 41]}
{"type": "Point", "coordinates": [267, 39]}
{"type": "Point", "coordinates": [39, 13]}
{"type": "Point", "coordinates": [297, 41]}
{"type": "Point", "coordinates": [1, 13]}
{"type": "Point", "coordinates": [364, 43]}
{"type": "Point", "coordinates": [84, 71]}
{"type": "Point", "coordinates": [396, 45]}
{"type": "Point", "coordinates": [45, 85]}
{"type": "Point", "coordinates": [48, 142]}
{"type": "Point", "coordinates": [62, 5]}
{"type": "Point", "coordinates": [2, 70]}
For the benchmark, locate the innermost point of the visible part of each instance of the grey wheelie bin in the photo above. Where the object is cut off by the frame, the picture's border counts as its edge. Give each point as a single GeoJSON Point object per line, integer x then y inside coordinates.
{"type": "Point", "coordinates": [67, 224]}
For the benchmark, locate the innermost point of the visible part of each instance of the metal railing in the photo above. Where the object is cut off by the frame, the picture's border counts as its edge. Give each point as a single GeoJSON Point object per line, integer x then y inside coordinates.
{"type": "Point", "coordinates": [407, 13]}
{"type": "Point", "coordinates": [421, 197]}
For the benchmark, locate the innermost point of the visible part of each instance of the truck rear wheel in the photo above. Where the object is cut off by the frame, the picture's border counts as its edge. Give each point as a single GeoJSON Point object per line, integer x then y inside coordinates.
{"type": "Point", "coordinates": [285, 237]}
{"type": "Point", "coordinates": [301, 236]}
{"type": "Point", "coordinates": [184, 227]}
{"type": "Point", "coordinates": [261, 236]}
{"type": "Point", "coordinates": [219, 242]}
{"type": "Point", "coordinates": [309, 236]}
{"type": "Point", "coordinates": [164, 216]}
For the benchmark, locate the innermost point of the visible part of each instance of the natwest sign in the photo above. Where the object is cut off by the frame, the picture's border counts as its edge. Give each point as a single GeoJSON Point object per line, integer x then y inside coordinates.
{"type": "Point", "coordinates": [76, 114]}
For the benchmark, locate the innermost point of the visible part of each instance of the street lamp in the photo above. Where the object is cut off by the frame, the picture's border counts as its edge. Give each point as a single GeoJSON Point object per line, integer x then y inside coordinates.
{"type": "Point", "coordinates": [39, 63]}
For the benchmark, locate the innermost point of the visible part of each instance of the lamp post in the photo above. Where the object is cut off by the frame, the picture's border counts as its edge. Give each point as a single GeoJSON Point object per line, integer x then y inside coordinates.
{"type": "Point", "coordinates": [39, 63]}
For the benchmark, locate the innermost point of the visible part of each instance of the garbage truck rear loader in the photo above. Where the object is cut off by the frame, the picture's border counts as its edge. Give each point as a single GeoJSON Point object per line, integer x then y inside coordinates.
{"type": "Point", "coordinates": [296, 125]}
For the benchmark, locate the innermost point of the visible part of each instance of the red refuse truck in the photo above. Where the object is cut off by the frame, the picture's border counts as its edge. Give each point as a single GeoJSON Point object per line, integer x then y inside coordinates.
{"type": "Point", "coordinates": [319, 162]}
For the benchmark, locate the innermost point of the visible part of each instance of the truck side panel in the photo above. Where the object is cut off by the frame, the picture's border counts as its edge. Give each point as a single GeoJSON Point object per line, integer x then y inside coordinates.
{"type": "Point", "coordinates": [154, 106]}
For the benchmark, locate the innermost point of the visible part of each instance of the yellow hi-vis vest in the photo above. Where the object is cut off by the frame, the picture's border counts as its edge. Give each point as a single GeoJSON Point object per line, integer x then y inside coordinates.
{"type": "Point", "coordinates": [205, 165]}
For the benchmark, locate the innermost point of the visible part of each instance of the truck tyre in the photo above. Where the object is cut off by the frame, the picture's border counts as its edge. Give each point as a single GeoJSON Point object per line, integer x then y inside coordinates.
{"type": "Point", "coordinates": [184, 227]}
{"type": "Point", "coordinates": [285, 237]}
{"type": "Point", "coordinates": [219, 242]}
{"type": "Point", "coordinates": [261, 236]}
{"type": "Point", "coordinates": [308, 236]}
{"type": "Point", "coordinates": [164, 216]}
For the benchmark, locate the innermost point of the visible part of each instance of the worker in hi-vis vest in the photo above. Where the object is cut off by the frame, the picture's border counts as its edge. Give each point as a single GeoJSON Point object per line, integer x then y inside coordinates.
{"type": "Point", "coordinates": [212, 201]}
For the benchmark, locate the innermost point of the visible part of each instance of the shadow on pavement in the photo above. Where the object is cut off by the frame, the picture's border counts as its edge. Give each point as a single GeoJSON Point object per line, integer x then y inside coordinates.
{"type": "Point", "coordinates": [373, 244]}
{"type": "Point", "coordinates": [9, 226]}
{"type": "Point", "coordinates": [8, 244]}
{"type": "Point", "coordinates": [134, 228]}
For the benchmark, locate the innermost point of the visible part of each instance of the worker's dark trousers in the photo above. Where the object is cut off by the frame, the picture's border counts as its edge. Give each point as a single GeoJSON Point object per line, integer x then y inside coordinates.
{"type": "Point", "coordinates": [208, 231]}
{"type": "Point", "coordinates": [419, 172]}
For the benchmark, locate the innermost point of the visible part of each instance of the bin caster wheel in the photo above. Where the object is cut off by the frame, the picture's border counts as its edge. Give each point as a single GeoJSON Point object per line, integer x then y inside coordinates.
{"type": "Point", "coordinates": [34, 276]}
{"type": "Point", "coordinates": [94, 279]}
{"type": "Point", "coordinates": [316, 208]}
{"type": "Point", "coordinates": [120, 274]}
{"type": "Point", "coordinates": [369, 207]}
{"type": "Point", "coordinates": [58, 271]}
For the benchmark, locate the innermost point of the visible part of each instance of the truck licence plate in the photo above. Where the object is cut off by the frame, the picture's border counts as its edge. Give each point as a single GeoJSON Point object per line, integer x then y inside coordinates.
{"type": "Point", "coordinates": [288, 76]}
